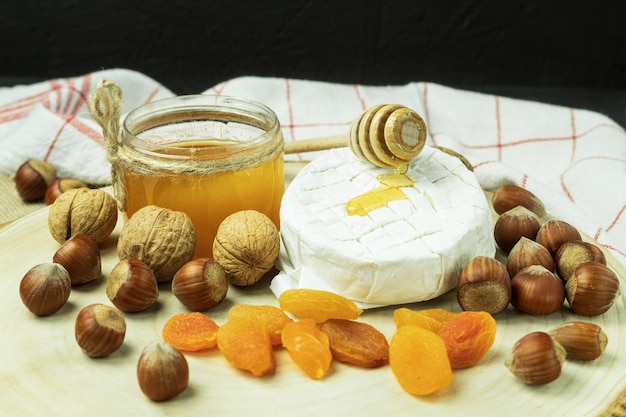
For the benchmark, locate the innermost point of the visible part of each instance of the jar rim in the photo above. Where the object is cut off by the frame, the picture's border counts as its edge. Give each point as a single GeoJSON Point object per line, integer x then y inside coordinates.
{"type": "Point", "coordinates": [199, 107]}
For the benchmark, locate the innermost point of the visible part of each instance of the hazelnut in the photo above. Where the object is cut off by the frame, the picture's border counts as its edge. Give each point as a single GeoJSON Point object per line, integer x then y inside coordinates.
{"type": "Point", "coordinates": [45, 288]}
{"type": "Point", "coordinates": [132, 286]}
{"type": "Point", "coordinates": [59, 186]}
{"type": "Point", "coordinates": [536, 359]}
{"type": "Point", "coordinates": [83, 211]}
{"type": "Point", "coordinates": [555, 233]}
{"type": "Point", "coordinates": [571, 254]}
{"type": "Point", "coordinates": [163, 239]}
{"type": "Point", "coordinates": [80, 255]}
{"type": "Point", "coordinates": [591, 289]}
{"type": "Point", "coordinates": [162, 371]}
{"type": "Point", "coordinates": [484, 285]}
{"type": "Point", "coordinates": [527, 252]}
{"type": "Point", "coordinates": [537, 291]}
{"type": "Point", "coordinates": [200, 284]}
{"type": "Point", "coordinates": [514, 224]}
{"type": "Point", "coordinates": [510, 196]}
{"type": "Point", "coordinates": [582, 340]}
{"type": "Point", "coordinates": [99, 330]}
{"type": "Point", "coordinates": [246, 246]}
{"type": "Point", "coordinates": [596, 252]}
{"type": "Point", "coordinates": [32, 179]}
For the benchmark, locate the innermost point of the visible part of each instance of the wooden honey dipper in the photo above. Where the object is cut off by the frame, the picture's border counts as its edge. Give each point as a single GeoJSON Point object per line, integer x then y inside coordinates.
{"type": "Point", "coordinates": [387, 135]}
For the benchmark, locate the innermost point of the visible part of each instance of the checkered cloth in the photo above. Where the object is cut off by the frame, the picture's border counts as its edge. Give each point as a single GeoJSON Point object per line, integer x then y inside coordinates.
{"type": "Point", "coordinates": [574, 160]}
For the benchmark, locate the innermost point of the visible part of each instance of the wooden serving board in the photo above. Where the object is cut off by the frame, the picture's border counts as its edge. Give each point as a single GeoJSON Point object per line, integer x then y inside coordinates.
{"type": "Point", "coordinates": [43, 371]}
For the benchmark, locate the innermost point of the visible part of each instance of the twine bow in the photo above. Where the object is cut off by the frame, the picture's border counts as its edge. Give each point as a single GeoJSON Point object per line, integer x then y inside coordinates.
{"type": "Point", "coordinates": [105, 105]}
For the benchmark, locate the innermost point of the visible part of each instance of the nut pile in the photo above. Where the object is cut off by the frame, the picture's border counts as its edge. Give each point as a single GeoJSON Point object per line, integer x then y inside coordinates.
{"type": "Point", "coordinates": [155, 245]}
{"type": "Point", "coordinates": [547, 263]}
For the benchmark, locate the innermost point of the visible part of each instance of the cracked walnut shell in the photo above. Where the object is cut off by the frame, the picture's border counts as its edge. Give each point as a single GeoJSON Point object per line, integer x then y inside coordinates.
{"type": "Point", "coordinates": [246, 246]}
{"type": "Point", "coordinates": [91, 212]}
{"type": "Point", "coordinates": [161, 238]}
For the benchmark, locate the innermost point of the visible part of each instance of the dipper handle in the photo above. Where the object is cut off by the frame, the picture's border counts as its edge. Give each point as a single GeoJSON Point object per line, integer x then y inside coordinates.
{"type": "Point", "coordinates": [387, 135]}
{"type": "Point", "coordinates": [316, 144]}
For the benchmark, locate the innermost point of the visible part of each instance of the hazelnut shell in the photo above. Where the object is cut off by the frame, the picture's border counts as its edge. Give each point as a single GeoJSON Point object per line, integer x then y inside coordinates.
{"type": "Point", "coordinates": [527, 252]}
{"type": "Point", "coordinates": [536, 359]}
{"type": "Point", "coordinates": [200, 284]}
{"type": "Point", "coordinates": [509, 196]}
{"type": "Point", "coordinates": [59, 186]}
{"type": "Point", "coordinates": [484, 285]}
{"type": "Point", "coordinates": [132, 286]}
{"type": "Point", "coordinates": [537, 291]}
{"type": "Point", "coordinates": [582, 340]}
{"type": "Point", "coordinates": [99, 330]}
{"type": "Point", "coordinates": [573, 253]}
{"type": "Point", "coordinates": [555, 233]}
{"type": "Point", "coordinates": [32, 179]}
{"type": "Point", "coordinates": [592, 289]}
{"type": "Point", "coordinates": [162, 371]}
{"type": "Point", "coordinates": [514, 224]}
{"type": "Point", "coordinates": [80, 255]}
{"type": "Point", "coordinates": [45, 288]}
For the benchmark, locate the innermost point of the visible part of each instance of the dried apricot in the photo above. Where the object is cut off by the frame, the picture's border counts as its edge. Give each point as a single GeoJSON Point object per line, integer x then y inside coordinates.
{"type": "Point", "coordinates": [431, 319]}
{"type": "Point", "coordinates": [308, 347]}
{"type": "Point", "coordinates": [318, 305]}
{"type": "Point", "coordinates": [273, 318]}
{"type": "Point", "coordinates": [468, 337]}
{"type": "Point", "coordinates": [419, 360]}
{"type": "Point", "coordinates": [190, 332]}
{"type": "Point", "coordinates": [439, 314]}
{"type": "Point", "coordinates": [356, 343]}
{"type": "Point", "coordinates": [246, 345]}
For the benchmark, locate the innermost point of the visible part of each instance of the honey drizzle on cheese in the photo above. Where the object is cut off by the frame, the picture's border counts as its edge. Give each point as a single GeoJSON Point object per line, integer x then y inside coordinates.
{"type": "Point", "coordinates": [389, 190]}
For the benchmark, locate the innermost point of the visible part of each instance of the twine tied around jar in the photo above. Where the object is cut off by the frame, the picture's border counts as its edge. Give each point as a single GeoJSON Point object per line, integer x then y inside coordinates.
{"type": "Point", "coordinates": [209, 135]}
{"type": "Point", "coordinates": [105, 105]}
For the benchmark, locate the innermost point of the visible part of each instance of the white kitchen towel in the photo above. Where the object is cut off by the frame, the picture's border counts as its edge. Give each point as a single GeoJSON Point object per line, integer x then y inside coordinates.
{"type": "Point", "coordinates": [573, 159]}
{"type": "Point", "coordinates": [51, 121]}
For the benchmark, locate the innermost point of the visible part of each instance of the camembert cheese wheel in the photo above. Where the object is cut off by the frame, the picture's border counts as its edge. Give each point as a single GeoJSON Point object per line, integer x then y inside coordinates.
{"type": "Point", "coordinates": [378, 237]}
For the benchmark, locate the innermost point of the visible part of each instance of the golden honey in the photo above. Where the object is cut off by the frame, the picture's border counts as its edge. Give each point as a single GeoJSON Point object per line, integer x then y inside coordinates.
{"type": "Point", "coordinates": [389, 190]}
{"type": "Point", "coordinates": [206, 156]}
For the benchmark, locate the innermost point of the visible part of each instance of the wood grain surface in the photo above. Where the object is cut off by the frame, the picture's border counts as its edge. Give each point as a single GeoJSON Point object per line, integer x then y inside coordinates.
{"type": "Point", "coordinates": [43, 371]}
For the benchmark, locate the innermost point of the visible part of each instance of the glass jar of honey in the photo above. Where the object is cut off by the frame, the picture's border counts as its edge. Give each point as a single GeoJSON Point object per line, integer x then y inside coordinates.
{"type": "Point", "coordinates": [208, 156]}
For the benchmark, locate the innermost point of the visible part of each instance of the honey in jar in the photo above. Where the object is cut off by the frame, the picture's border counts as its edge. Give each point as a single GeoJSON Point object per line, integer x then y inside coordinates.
{"type": "Point", "coordinates": [208, 156]}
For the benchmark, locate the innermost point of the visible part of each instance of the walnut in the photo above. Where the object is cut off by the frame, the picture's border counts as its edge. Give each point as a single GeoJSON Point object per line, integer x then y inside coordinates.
{"type": "Point", "coordinates": [246, 246]}
{"type": "Point", "coordinates": [86, 211]}
{"type": "Point", "coordinates": [163, 239]}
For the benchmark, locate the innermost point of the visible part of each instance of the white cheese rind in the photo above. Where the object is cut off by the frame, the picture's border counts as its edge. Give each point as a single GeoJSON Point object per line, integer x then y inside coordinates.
{"type": "Point", "coordinates": [408, 251]}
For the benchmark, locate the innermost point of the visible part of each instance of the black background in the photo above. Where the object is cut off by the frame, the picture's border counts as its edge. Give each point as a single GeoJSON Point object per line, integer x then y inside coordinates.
{"type": "Point", "coordinates": [568, 52]}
